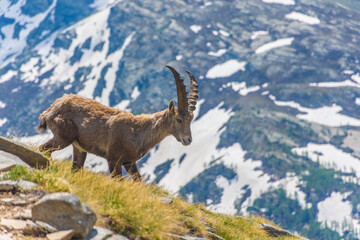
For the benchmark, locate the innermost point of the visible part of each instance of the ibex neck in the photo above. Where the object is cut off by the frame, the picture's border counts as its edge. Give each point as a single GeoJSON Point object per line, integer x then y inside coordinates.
{"type": "Point", "coordinates": [154, 128]}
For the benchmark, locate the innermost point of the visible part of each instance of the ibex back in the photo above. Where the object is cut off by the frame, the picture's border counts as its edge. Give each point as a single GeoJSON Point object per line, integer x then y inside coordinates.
{"type": "Point", "coordinates": [116, 135]}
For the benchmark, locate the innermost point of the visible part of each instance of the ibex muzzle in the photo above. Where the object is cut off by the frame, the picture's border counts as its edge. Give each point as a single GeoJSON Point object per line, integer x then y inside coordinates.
{"type": "Point", "coordinates": [117, 135]}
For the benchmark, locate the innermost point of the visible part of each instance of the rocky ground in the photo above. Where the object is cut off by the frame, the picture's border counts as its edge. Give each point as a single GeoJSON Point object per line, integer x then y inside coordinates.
{"type": "Point", "coordinates": [15, 209]}
{"type": "Point", "coordinates": [21, 207]}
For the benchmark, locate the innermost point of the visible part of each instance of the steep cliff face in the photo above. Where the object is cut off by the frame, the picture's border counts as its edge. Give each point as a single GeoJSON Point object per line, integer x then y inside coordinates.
{"type": "Point", "coordinates": [277, 124]}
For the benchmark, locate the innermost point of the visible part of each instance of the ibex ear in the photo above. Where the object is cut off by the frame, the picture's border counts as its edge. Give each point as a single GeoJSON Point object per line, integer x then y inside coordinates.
{"type": "Point", "coordinates": [172, 107]}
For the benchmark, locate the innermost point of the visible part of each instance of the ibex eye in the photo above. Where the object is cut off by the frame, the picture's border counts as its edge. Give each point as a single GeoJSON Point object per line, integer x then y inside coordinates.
{"type": "Point", "coordinates": [179, 120]}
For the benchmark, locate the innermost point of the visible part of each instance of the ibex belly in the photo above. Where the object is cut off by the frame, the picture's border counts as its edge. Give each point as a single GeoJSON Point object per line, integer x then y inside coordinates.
{"type": "Point", "coordinates": [92, 149]}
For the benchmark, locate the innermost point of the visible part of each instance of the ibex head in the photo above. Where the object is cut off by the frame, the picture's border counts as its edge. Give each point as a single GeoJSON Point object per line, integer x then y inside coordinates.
{"type": "Point", "coordinates": [182, 116]}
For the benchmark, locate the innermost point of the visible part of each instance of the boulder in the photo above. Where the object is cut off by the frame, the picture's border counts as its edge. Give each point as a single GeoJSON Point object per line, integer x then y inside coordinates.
{"type": "Point", "coordinates": [64, 211]}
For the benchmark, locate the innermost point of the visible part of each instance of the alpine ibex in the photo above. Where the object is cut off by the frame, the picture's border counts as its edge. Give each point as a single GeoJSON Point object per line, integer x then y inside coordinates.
{"type": "Point", "coordinates": [116, 135]}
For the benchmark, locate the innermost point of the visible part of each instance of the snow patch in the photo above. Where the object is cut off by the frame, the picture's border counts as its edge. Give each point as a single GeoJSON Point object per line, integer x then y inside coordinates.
{"type": "Point", "coordinates": [135, 93]}
{"type": "Point", "coordinates": [224, 33]}
{"type": "Point", "coordinates": [302, 18]}
{"type": "Point", "coordinates": [219, 53]}
{"type": "Point", "coordinates": [330, 157]}
{"type": "Point", "coordinates": [356, 77]}
{"type": "Point", "coordinates": [327, 115]}
{"type": "Point", "coordinates": [67, 87]}
{"type": "Point", "coordinates": [7, 76]}
{"type": "Point", "coordinates": [226, 69]}
{"type": "Point", "coordinates": [275, 44]}
{"type": "Point", "coordinates": [240, 87]}
{"type": "Point", "coordinates": [348, 72]}
{"type": "Point", "coordinates": [2, 105]}
{"type": "Point", "coordinates": [123, 105]}
{"type": "Point", "coordinates": [291, 186]}
{"type": "Point", "coordinates": [195, 28]}
{"type": "Point", "coordinates": [357, 101]}
{"type": "Point", "coordinates": [335, 212]}
{"type": "Point", "coordinates": [3, 121]}
{"type": "Point", "coordinates": [346, 83]}
{"type": "Point", "coordinates": [256, 34]}
{"type": "Point", "coordinates": [284, 2]}
{"type": "Point", "coordinates": [101, 4]}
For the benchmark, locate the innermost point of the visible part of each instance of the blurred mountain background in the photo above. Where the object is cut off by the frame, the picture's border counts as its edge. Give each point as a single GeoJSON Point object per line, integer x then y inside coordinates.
{"type": "Point", "coordinates": [276, 131]}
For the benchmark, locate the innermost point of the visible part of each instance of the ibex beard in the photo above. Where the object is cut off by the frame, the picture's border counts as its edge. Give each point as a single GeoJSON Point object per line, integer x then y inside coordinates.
{"type": "Point", "coordinates": [116, 135]}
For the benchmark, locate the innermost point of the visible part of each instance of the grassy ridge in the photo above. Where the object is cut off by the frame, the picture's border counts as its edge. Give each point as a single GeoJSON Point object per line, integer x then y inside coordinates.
{"type": "Point", "coordinates": [136, 209]}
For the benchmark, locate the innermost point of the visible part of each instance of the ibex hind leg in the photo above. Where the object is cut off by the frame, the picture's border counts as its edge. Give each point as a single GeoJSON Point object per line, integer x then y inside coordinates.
{"type": "Point", "coordinates": [78, 158]}
{"type": "Point", "coordinates": [115, 167]}
{"type": "Point", "coordinates": [132, 169]}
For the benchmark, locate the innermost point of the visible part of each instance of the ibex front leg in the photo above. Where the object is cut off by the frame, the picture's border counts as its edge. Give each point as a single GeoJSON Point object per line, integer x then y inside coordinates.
{"type": "Point", "coordinates": [132, 169]}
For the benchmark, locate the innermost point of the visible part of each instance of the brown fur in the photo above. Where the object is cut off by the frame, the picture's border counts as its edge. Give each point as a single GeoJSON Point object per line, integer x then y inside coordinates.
{"type": "Point", "coordinates": [116, 135]}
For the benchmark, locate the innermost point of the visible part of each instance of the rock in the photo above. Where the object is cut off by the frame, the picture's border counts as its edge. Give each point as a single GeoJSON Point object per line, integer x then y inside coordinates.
{"type": "Point", "coordinates": [4, 167]}
{"type": "Point", "coordinates": [64, 211]}
{"type": "Point", "coordinates": [13, 223]}
{"type": "Point", "coordinates": [46, 227]}
{"type": "Point", "coordinates": [14, 201]}
{"type": "Point", "coordinates": [278, 232]}
{"type": "Point", "coordinates": [26, 185]}
{"type": "Point", "coordinates": [99, 233]}
{"type": "Point", "coordinates": [32, 228]}
{"type": "Point", "coordinates": [25, 214]}
{"type": "Point", "coordinates": [8, 185]}
{"type": "Point", "coordinates": [62, 235]}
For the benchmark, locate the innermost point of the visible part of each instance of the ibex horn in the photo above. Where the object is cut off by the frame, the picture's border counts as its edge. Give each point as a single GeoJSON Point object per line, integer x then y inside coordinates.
{"type": "Point", "coordinates": [183, 105]}
{"type": "Point", "coordinates": [193, 95]}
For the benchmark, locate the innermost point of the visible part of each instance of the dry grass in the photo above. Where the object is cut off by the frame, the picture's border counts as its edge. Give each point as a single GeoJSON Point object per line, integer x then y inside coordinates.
{"type": "Point", "coordinates": [136, 209]}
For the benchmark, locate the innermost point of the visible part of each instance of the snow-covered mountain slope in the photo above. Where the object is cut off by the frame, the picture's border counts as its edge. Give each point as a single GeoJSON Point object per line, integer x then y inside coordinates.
{"type": "Point", "coordinates": [277, 126]}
